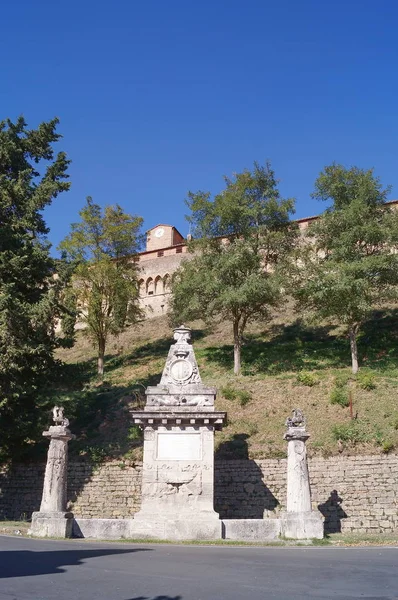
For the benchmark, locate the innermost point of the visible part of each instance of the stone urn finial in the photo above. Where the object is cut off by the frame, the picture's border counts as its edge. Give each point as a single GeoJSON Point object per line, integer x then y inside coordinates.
{"type": "Point", "coordinates": [182, 334]}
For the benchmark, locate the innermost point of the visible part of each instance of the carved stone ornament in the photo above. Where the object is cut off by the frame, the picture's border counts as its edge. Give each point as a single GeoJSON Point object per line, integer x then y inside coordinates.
{"type": "Point", "coordinates": [296, 420]}
{"type": "Point", "coordinates": [182, 335]}
{"type": "Point", "coordinates": [58, 416]}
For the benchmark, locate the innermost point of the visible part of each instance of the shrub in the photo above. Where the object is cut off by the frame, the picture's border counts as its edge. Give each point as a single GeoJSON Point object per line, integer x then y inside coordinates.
{"type": "Point", "coordinates": [134, 433]}
{"type": "Point", "coordinates": [339, 395]}
{"type": "Point", "coordinates": [366, 381]}
{"type": "Point", "coordinates": [244, 397]}
{"type": "Point", "coordinates": [306, 378]}
{"type": "Point", "coordinates": [350, 432]}
{"type": "Point", "coordinates": [387, 446]}
{"type": "Point", "coordinates": [229, 392]}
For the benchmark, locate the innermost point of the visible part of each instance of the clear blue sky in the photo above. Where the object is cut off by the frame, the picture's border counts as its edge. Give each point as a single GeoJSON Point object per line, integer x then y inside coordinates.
{"type": "Point", "coordinates": [158, 97]}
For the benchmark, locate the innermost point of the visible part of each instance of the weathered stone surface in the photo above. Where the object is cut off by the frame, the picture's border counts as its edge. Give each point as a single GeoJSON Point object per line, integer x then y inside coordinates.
{"type": "Point", "coordinates": [53, 520]}
{"type": "Point", "coordinates": [105, 529]}
{"type": "Point", "coordinates": [302, 526]}
{"type": "Point", "coordinates": [177, 494]}
{"type": "Point", "coordinates": [56, 524]}
{"type": "Point", "coordinates": [251, 530]}
{"type": "Point", "coordinates": [299, 522]}
{"type": "Point", "coordinates": [353, 493]}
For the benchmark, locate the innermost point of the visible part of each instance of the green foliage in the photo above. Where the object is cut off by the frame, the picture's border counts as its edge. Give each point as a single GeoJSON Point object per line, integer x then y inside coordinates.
{"type": "Point", "coordinates": [134, 433]}
{"type": "Point", "coordinates": [348, 269]}
{"type": "Point", "coordinates": [366, 381]}
{"type": "Point", "coordinates": [244, 397]}
{"type": "Point", "coordinates": [387, 446]}
{"type": "Point", "coordinates": [339, 395]}
{"type": "Point", "coordinates": [306, 378]}
{"type": "Point", "coordinates": [31, 176]}
{"type": "Point", "coordinates": [244, 228]}
{"type": "Point", "coordinates": [353, 432]}
{"type": "Point", "coordinates": [105, 278]}
{"type": "Point", "coordinates": [231, 393]}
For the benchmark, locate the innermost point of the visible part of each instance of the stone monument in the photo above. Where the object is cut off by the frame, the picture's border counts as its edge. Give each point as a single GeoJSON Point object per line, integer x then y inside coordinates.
{"type": "Point", "coordinates": [53, 520]}
{"type": "Point", "coordinates": [179, 421]}
{"type": "Point", "coordinates": [299, 521]}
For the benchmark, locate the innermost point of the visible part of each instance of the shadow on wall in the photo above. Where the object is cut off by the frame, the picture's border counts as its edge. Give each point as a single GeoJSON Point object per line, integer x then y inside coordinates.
{"type": "Point", "coordinates": [21, 488]}
{"type": "Point", "coordinates": [237, 497]}
{"type": "Point", "coordinates": [25, 563]}
{"type": "Point", "coordinates": [333, 513]}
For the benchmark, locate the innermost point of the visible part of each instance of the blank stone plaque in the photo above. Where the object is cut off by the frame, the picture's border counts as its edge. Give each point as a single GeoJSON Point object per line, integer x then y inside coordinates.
{"type": "Point", "coordinates": [179, 446]}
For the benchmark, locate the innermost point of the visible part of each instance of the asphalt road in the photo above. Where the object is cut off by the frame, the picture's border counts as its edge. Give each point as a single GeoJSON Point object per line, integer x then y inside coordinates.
{"type": "Point", "coordinates": [77, 570]}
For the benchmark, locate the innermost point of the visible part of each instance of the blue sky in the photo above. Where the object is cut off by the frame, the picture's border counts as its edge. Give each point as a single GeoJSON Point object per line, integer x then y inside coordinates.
{"type": "Point", "coordinates": [160, 97]}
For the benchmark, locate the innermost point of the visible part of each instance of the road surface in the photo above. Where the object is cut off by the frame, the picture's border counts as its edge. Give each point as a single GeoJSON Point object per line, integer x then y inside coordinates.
{"type": "Point", "coordinates": [79, 570]}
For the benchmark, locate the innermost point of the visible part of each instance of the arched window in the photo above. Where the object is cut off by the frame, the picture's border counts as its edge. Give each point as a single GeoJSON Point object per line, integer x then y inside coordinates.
{"type": "Point", "coordinates": [149, 286]}
{"type": "Point", "coordinates": [158, 285]}
{"type": "Point", "coordinates": [166, 283]}
{"type": "Point", "coordinates": [141, 288]}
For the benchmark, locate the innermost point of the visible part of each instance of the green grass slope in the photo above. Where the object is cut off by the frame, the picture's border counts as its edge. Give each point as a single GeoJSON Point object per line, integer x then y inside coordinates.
{"type": "Point", "coordinates": [286, 364]}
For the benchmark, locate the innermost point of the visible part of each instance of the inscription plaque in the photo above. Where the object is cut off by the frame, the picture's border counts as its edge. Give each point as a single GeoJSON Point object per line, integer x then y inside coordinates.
{"type": "Point", "coordinates": [178, 446]}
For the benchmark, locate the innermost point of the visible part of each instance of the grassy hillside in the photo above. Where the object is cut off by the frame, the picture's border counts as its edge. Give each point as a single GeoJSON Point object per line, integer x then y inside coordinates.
{"type": "Point", "coordinates": [285, 365]}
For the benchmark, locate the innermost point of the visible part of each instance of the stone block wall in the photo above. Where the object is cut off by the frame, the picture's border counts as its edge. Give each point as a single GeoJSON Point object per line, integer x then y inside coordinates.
{"type": "Point", "coordinates": [357, 493]}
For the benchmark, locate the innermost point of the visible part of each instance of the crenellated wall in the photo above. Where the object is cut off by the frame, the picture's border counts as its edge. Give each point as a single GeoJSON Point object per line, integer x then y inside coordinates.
{"type": "Point", "coordinates": [357, 493]}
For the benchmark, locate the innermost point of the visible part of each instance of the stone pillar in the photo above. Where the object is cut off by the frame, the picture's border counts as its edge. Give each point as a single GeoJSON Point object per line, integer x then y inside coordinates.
{"type": "Point", "coordinates": [300, 521]}
{"type": "Point", "coordinates": [53, 520]}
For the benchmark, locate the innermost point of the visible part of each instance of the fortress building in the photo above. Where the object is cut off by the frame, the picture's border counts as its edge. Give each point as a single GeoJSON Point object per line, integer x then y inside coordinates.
{"type": "Point", "coordinates": [165, 249]}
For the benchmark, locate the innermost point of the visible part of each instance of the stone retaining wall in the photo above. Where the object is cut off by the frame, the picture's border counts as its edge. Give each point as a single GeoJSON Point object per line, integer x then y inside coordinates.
{"type": "Point", "coordinates": [353, 493]}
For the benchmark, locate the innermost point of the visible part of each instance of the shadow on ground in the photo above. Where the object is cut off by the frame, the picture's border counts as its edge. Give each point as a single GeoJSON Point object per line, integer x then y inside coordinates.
{"type": "Point", "coordinates": [298, 346]}
{"type": "Point", "coordinates": [25, 563]}
{"type": "Point", "coordinates": [156, 598]}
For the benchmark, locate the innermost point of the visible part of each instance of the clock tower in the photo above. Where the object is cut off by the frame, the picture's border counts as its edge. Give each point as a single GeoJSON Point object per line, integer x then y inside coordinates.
{"type": "Point", "coordinates": [162, 236]}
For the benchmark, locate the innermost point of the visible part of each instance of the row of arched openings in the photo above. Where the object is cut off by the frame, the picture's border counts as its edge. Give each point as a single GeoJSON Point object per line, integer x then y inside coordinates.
{"type": "Point", "coordinates": [155, 285]}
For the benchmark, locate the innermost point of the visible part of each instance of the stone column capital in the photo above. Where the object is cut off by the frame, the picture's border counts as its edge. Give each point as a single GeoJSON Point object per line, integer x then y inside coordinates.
{"type": "Point", "coordinates": [59, 432]}
{"type": "Point", "coordinates": [296, 433]}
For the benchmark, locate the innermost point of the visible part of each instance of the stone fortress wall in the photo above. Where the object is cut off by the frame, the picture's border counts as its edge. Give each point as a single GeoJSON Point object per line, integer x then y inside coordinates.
{"type": "Point", "coordinates": [354, 493]}
{"type": "Point", "coordinates": [165, 249]}
{"type": "Point", "coordinates": [159, 261]}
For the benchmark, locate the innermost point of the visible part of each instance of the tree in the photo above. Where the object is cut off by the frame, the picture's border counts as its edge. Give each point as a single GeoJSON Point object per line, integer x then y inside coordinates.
{"type": "Point", "coordinates": [349, 268]}
{"type": "Point", "coordinates": [241, 237]}
{"type": "Point", "coordinates": [30, 178]}
{"type": "Point", "coordinates": [105, 284]}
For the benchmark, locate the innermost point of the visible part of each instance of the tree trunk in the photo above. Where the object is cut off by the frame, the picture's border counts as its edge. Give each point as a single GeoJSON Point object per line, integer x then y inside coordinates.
{"type": "Point", "coordinates": [237, 348]}
{"type": "Point", "coordinates": [354, 349]}
{"type": "Point", "coordinates": [101, 354]}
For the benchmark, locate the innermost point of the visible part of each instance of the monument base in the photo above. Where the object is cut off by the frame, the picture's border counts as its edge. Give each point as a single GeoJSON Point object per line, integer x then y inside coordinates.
{"type": "Point", "coordinates": [302, 526]}
{"type": "Point", "coordinates": [51, 524]}
{"type": "Point", "coordinates": [251, 530]}
{"type": "Point", "coordinates": [177, 529]}
{"type": "Point", "coordinates": [151, 529]}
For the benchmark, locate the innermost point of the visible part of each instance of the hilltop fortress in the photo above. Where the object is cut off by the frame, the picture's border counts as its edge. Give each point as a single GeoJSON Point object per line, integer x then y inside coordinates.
{"type": "Point", "coordinates": [164, 251]}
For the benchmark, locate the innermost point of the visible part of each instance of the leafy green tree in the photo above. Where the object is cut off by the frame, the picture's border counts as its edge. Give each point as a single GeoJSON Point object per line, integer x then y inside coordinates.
{"type": "Point", "coordinates": [105, 286]}
{"type": "Point", "coordinates": [30, 178]}
{"type": "Point", "coordinates": [241, 237]}
{"type": "Point", "coordinates": [349, 268]}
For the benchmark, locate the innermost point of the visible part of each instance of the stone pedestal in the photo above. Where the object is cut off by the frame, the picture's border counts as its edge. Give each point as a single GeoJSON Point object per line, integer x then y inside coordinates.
{"type": "Point", "coordinates": [299, 522]}
{"type": "Point", "coordinates": [53, 520]}
{"type": "Point", "coordinates": [178, 467]}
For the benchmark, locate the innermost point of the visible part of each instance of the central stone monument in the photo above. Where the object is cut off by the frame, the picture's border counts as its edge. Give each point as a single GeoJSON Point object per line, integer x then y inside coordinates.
{"type": "Point", "coordinates": [179, 421]}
